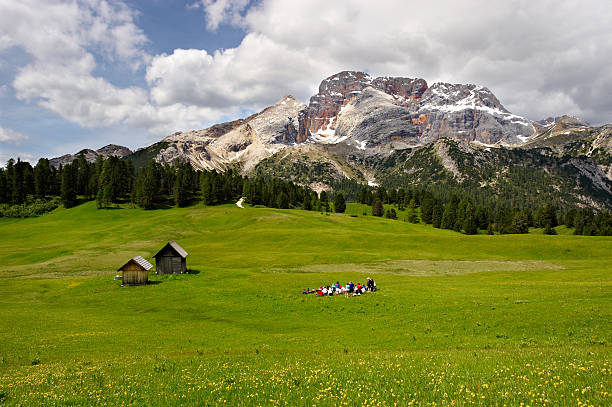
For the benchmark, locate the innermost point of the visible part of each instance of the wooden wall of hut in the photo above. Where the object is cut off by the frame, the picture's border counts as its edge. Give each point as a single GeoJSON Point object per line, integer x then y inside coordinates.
{"type": "Point", "coordinates": [135, 275]}
{"type": "Point", "coordinates": [168, 262]}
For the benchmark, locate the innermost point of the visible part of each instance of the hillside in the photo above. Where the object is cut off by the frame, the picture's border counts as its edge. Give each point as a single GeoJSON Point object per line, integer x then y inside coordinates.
{"type": "Point", "coordinates": [237, 330]}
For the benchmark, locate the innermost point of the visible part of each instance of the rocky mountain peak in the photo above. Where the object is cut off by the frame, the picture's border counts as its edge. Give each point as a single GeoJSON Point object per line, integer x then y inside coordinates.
{"type": "Point", "coordinates": [340, 89]}
{"type": "Point", "coordinates": [91, 155]}
{"type": "Point", "coordinates": [458, 97]}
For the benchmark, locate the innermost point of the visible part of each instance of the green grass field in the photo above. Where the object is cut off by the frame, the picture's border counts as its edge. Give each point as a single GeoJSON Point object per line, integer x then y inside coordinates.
{"type": "Point", "coordinates": [458, 320]}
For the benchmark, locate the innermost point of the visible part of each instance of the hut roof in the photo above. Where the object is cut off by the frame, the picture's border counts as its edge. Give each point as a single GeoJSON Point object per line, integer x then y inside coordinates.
{"type": "Point", "coordinates": [177, 248]}
{"type": "Point", "coordinates": [140, 261]}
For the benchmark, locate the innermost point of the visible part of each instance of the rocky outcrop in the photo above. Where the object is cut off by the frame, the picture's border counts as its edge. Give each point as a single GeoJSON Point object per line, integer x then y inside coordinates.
{"type": "Point", "coordinates": [340, 89]}
{"type": "Point", "coordinates": [91, 155]}
{"type": "Point", "coordinates": [242, 142]}
{"type": "Point", "coordinates": [469, 113]}
{"type": "Point", "coordinates": [413, 114]}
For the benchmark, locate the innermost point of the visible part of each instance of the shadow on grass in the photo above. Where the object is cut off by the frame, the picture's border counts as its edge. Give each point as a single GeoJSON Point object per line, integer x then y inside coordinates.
{"type": "Point", "coordinates": [190, 271]}
{"type": "Point", "coordinates": [154, 282]}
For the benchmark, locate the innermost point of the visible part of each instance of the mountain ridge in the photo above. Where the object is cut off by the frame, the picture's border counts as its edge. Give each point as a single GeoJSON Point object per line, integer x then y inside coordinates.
{"type": "Point", "coordinates": [356, 122]}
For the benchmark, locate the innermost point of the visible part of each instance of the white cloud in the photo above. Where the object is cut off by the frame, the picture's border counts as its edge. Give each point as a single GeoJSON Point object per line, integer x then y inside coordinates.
{"type": "Point", "coordinates": [5, 156]}
{"type": "Point", "coordinates": [536, 62]}
{"type": "Point", "coordinates": [534, 55]}
{"type": "Point", "coordinates": [11, 136]}
{"type": "Point", "coordinates": [222, 11]}
{"type": "Point", "coordinates": [64, 39]}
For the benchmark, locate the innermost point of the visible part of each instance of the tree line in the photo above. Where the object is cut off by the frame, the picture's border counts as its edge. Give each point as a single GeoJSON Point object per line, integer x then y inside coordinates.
{"type": "Point", "coordinates": [461, 214]}
{"type": "Point", "coordinates": [113, 181]}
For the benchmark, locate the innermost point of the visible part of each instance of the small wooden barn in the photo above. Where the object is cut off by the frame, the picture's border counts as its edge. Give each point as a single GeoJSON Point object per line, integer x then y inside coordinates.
{"type": "Point", "coordinates": [172, 258]}
{"type": "Point", "coordinates": [136, 271]}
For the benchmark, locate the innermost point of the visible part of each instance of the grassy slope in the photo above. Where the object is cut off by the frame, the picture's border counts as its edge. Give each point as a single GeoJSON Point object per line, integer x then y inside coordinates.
{"type": "Point", "coordinates": [239, 326]}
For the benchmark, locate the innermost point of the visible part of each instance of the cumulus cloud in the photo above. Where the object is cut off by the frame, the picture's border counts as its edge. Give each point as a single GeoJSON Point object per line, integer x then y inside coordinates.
{"type": "Point", "coordinates": [11, 136]}
{"type": "Point", "coordinates": [66, 41]}
{"type": "Point", "coordinates": [222, 11]}
{"type": "Point", "coordinates": [540, 58]}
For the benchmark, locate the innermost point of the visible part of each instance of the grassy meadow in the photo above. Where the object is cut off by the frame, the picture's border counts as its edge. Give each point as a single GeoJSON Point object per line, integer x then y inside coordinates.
{"type": "Point", "coordinates": [458, 320]}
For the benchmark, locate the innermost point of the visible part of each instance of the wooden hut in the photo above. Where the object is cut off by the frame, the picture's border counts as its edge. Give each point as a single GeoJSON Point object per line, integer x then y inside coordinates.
{"type": "Point", "coordinates": [136, 271]}
{"type": "Point", "coordinates": [172, 258]}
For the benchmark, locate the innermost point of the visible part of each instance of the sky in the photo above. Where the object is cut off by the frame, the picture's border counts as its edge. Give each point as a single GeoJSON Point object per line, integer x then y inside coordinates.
{"type": "Point", "coordinates": [80, 74]}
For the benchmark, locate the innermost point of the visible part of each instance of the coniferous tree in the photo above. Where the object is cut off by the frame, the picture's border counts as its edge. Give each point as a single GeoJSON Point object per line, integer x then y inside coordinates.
{"type": "Point", "coordinates": [377, 209]}
{"type": "Point", "coordinates": [482, 217]}
{"type": "Point", "coordinates": [381, 195]}
{"type": "Point", "coordinates": [339, 203]}
{"type": "Point", "coordinates": [324, 200]}
{"type": "Point", "coordinates": [42, 178]}
{"type": "Point", "coordinates": [19, 184]}
{"type": "Point", "coordinates": [427, 209]}
{"type": "Point", "coordinates": [181, 183]}
{"type": "Point", "coordinates": [82, 174]}
{"type": "Point", "coordinates": [549, 230]}
{"type": "Point", "coordinates": [569, 217]}
{"type": "Point", "coordinates": [147, 186]}
{"type": "Point", "coordinates": [579, 221]}
{"type": "Point", "coordinates": [3, 187]}
{"type": "Point", "coordinates": [69, 187]}
{"type": "Point", "coordinates": [436, 216]}
{"type": "Point", "coordinates": [10, 179]}
{"type": "Point", "coordinates": [520, 223]}
{"type": "Point", "coordinates": [307, 202]}
{"type": "Point", "coordinates": [283, 201]}
{"type": "Point", "coordinates": [316, 204]}
{"type": "Point", "coordinates": [391, 214]}
{"type": "Point", "coordinates": [449, 216]}
{"type": "Point", "coordinates": [470, 227]}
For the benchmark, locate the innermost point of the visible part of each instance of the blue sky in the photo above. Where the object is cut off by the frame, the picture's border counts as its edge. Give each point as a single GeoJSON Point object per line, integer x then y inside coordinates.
{"type": "Point", "coordinates": [84, 73]}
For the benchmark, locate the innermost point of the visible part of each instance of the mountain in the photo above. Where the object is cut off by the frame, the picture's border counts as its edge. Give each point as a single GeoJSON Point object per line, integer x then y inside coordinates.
{"type": "Point", "coordinates": [245, 141]}
{"type": "Point", "coordinates": [91, 155]}
{"type": "Point", "coordinates": [398, 131]}
{"type": "Point", "coordinates": [355, 113]}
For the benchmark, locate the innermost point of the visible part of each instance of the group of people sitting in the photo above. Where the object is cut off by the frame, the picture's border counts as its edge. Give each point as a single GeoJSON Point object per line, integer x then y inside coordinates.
{"type": "Point", "coordinates": [350, 289]}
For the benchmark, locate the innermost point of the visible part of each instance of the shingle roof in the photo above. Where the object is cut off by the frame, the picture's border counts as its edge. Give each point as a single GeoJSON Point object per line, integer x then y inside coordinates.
{"type": "Point", "coordinates": [140, 261]}
{"type": "Point", "coordinates": [181, 252]}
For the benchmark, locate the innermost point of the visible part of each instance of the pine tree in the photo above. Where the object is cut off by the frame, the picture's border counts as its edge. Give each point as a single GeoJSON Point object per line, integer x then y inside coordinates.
{"type": "Point", "coordinates": [82, 174]}
{"type": "Point", "coordinates": [68, 188]}
{"type": "Point", "coordinates": [427, 209]}
{"type": "Point", "coordinates": [283, 201]}
{"type": "Point", "coordinates": [436, 216]}
{"type": "Point", "coordinates": [339, 203]}
{"type": "Point", "coordinates": [377, 209]}
{"type": "Point", "coordinates": [147, 186]}
{"type": "Point", "coordinates": [449, 216]}
{"type": "Point", "coordinates": [180, 188]}
{"type": "Point", "coordinates": [10, 178]}
{"type": "Point", "coordinates": [391, 214]}
{"type": "Point", "coordinates": [579, 222]}
{"type": "Point", "coordinates": [569, 217]}
{"type": "Point", "coordinates": [520, 223]}
{"type": "Point", "coordinates": [482, 217]}
{"type": "Point", "coordinates": [19, 189]}
{"type": "Point", "coordinates": [549, 230]}
{"type": "Point", "coordinates": [470, 227]}
{"type": "Point", "coordinates": [42, 178]}
{"type": "Point", "coordinates": [3, 187]}
{"type": "Point", "coordinates": [324, 200]}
